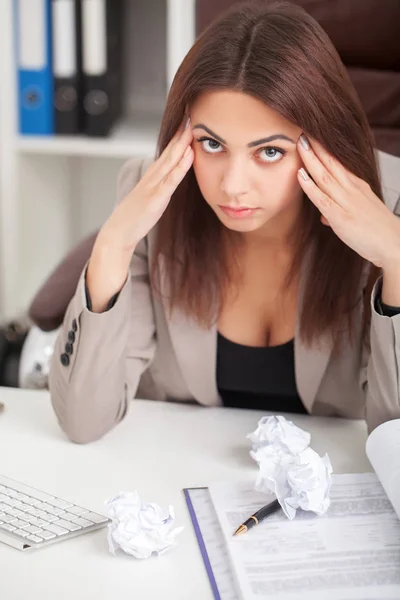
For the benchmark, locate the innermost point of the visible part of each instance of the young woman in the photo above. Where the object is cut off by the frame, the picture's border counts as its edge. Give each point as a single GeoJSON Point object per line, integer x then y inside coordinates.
{"type": "Point", "coordinates": [254, 263]}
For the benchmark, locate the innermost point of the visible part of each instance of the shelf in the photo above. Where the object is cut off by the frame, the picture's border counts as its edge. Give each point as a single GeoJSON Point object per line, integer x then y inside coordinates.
{"type": "Point", "coordinates": [130, 137]}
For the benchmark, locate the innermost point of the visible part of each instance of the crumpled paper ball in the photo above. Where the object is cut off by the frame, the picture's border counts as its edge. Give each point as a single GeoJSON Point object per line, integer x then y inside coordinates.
{"type": "Point", "coordinates": [295, 473]}
{"type": "Point", "coordinates": [140, 529]}
{"type": "Point", "coordinates": [280, 433]}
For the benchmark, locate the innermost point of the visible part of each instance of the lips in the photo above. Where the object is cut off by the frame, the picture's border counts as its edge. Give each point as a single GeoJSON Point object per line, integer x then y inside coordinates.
{"type": "Point", "coordinates": [238, 212]}
{"type": "Point", "coordinates": [238, 208]}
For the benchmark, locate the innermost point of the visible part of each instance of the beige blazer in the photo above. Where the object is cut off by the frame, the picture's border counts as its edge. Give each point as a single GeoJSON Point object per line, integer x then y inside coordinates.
{"type": "Point", "coordinates": [134, 349]}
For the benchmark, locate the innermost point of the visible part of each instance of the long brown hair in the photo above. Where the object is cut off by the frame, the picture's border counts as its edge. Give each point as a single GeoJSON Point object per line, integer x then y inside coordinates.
{"type": "Point", "coordinates": [275, 52]}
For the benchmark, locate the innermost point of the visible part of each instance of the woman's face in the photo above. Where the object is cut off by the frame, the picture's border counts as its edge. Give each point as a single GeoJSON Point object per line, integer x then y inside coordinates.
{"type": "Point", "coordinates": [246, 163]}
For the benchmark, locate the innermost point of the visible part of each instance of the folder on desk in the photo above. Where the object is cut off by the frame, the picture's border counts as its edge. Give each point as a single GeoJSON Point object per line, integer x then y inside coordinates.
{"type": "Point", "coordinates": [102, 64]}
{"type": "Point", "coordinates": [67, 66]}
{"type": "Point", "coordinates": [34, 67]}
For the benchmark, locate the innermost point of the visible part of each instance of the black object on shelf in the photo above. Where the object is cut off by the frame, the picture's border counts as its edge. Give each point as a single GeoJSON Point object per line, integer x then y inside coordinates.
{"type": "Point", "coordinates": [102, 64]}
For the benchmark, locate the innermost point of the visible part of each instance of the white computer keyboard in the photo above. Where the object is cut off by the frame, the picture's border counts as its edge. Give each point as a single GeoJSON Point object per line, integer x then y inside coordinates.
{"type": "Point", "coordinates": [31, 518]}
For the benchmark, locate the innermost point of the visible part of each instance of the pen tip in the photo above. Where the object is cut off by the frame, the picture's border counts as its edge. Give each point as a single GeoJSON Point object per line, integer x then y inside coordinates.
{"type": "Point", "coordinates": [240, 530]}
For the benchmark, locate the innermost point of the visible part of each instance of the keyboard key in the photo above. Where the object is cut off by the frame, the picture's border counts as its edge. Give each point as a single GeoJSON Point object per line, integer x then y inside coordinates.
{"type": "Point", "coordinates": [34, 538]}
{"type": "Point", "coordinates": [82, 522]}
{"type": "Point", "coordinates": [19, 496]}
{"type": "Point", "coordinates": [47, 535]}
{"type": "Point", "coordinates": [24, 497]}
{"type": "Point", "coordinates": [42, 496]}
{"type": "Point", "coordinates": [31, 501]}
{"type": "Point", "coordinates": [8, 519]}
{"type": "Point", "coordinates": [50, 508]}
{"type": "Point", "coordinates": [22, 532]}
{"type": "Point", "coordinates": [14, 494]}
{"type": "Point", "coordinates": [49, 518]}
{"type": "Point", "coordinates": [30, 510]}
{"type": "Point", "coordinates": [77, 510]}
{"type": "Point", "coordinates": [7, 527]}
{"type": "Point", "coordinates": [55, 529]}
{"type": "Point", "coordinates": [68, 525]}
{"type": "Point", "coordinates": [63, 504]}
{"type": "Point", "coordinates": [38, 522]}
{"type": "Point", "coordinates": [19, 524]}
{"type": "Point", "coordinates": [32, 529]}
{"type": "Point", "coordinates": [28, 520]}
{"type": "Point", "coordinates": [95, 517]}
{"type": "Point", "coordinates": [12, 502]}
{"type": "Point", "coordinates": [15, 512]}
{"type": "Point", "coordinates": [58, 512]}
{"type": "Point", "coordinates": [40, 505]}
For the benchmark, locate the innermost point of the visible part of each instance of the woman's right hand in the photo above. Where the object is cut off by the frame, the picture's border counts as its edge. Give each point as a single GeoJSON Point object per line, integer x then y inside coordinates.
{"type": "Point", "coordinates": [134, 217]}
{"type": "Point", "coordinates": [142, 208]}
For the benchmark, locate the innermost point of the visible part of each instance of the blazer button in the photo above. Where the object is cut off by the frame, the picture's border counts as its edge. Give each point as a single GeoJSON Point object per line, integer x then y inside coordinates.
{"type": "Point", "coordinates": [69, 348]}
{"type": "Point", "coordinates": [74, 326]}
{"type": "Point", "coordinates": [71, 336]}
{"type": "Point", "coordinates": [64, 360]}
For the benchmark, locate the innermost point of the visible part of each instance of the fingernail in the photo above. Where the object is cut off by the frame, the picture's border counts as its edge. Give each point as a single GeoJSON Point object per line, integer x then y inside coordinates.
{"type": "Point", "coordinates": [303, 174]}
{"type": "Point", "coordinates": [304, 142]}
{"type": "Point", "coordinates": [187, 123]}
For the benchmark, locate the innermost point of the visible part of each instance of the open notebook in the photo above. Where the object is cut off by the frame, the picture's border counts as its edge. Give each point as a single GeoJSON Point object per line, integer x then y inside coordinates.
{"type": "Point", "coordinates": [352, 552]}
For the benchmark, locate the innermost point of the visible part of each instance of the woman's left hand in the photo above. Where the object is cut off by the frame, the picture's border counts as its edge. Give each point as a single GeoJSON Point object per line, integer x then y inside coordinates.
{"type": "Point", "coordinates": [349, 206]}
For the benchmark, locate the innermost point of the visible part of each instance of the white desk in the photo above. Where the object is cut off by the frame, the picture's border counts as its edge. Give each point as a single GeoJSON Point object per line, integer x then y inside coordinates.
{"type": "Point", "coordinates": [158, 449]}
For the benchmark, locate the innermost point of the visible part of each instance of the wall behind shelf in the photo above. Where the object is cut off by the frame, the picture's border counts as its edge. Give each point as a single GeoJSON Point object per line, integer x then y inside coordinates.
{"type": "Point", "coordinates": [76, 197]}
{"type": "Point", "coordinates": [95, 182]}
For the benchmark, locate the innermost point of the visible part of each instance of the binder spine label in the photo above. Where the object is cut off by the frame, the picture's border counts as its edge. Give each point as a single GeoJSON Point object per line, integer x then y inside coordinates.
{"type": "Point", "coordinates": [94, 26]}
{"type": "Point", "coordinates": [64, 39]}
{"type": "Point", "coordinates": [31, 27]}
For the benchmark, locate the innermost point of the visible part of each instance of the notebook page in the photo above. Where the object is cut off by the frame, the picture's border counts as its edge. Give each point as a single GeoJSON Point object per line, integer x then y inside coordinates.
{"type": "Point", "coordinates": [216, 560]}
{"type": "Point", "coordinates": [383, 451]}
{"type": "Point", "coordinates": [352, 552]}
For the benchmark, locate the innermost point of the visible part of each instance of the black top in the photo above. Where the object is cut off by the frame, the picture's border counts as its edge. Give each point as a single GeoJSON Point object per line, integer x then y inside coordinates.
{"type": "Point", "coordinates": [257, 377]}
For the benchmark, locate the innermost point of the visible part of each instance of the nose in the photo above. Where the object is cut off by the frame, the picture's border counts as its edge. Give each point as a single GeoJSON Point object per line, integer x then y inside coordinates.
{"type": "Point", "coordinates": [235, 179]}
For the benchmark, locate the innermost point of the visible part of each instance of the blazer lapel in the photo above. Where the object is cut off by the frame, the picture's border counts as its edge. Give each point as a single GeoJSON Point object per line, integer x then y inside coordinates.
{"type": "Point", "coordinates": [195, 349]}
{"type": "Point", "coordinates": [310, 365]}
{"type": "Point", "coordinates": [310, 362]}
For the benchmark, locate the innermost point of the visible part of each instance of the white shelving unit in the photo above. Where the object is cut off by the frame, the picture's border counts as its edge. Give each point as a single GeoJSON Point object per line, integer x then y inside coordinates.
{"type": "Point", "coordinates": [55, 190]}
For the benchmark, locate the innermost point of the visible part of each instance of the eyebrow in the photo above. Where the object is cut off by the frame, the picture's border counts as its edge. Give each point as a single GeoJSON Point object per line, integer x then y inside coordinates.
{"type": "Point", "coordinates": [270, 138]}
